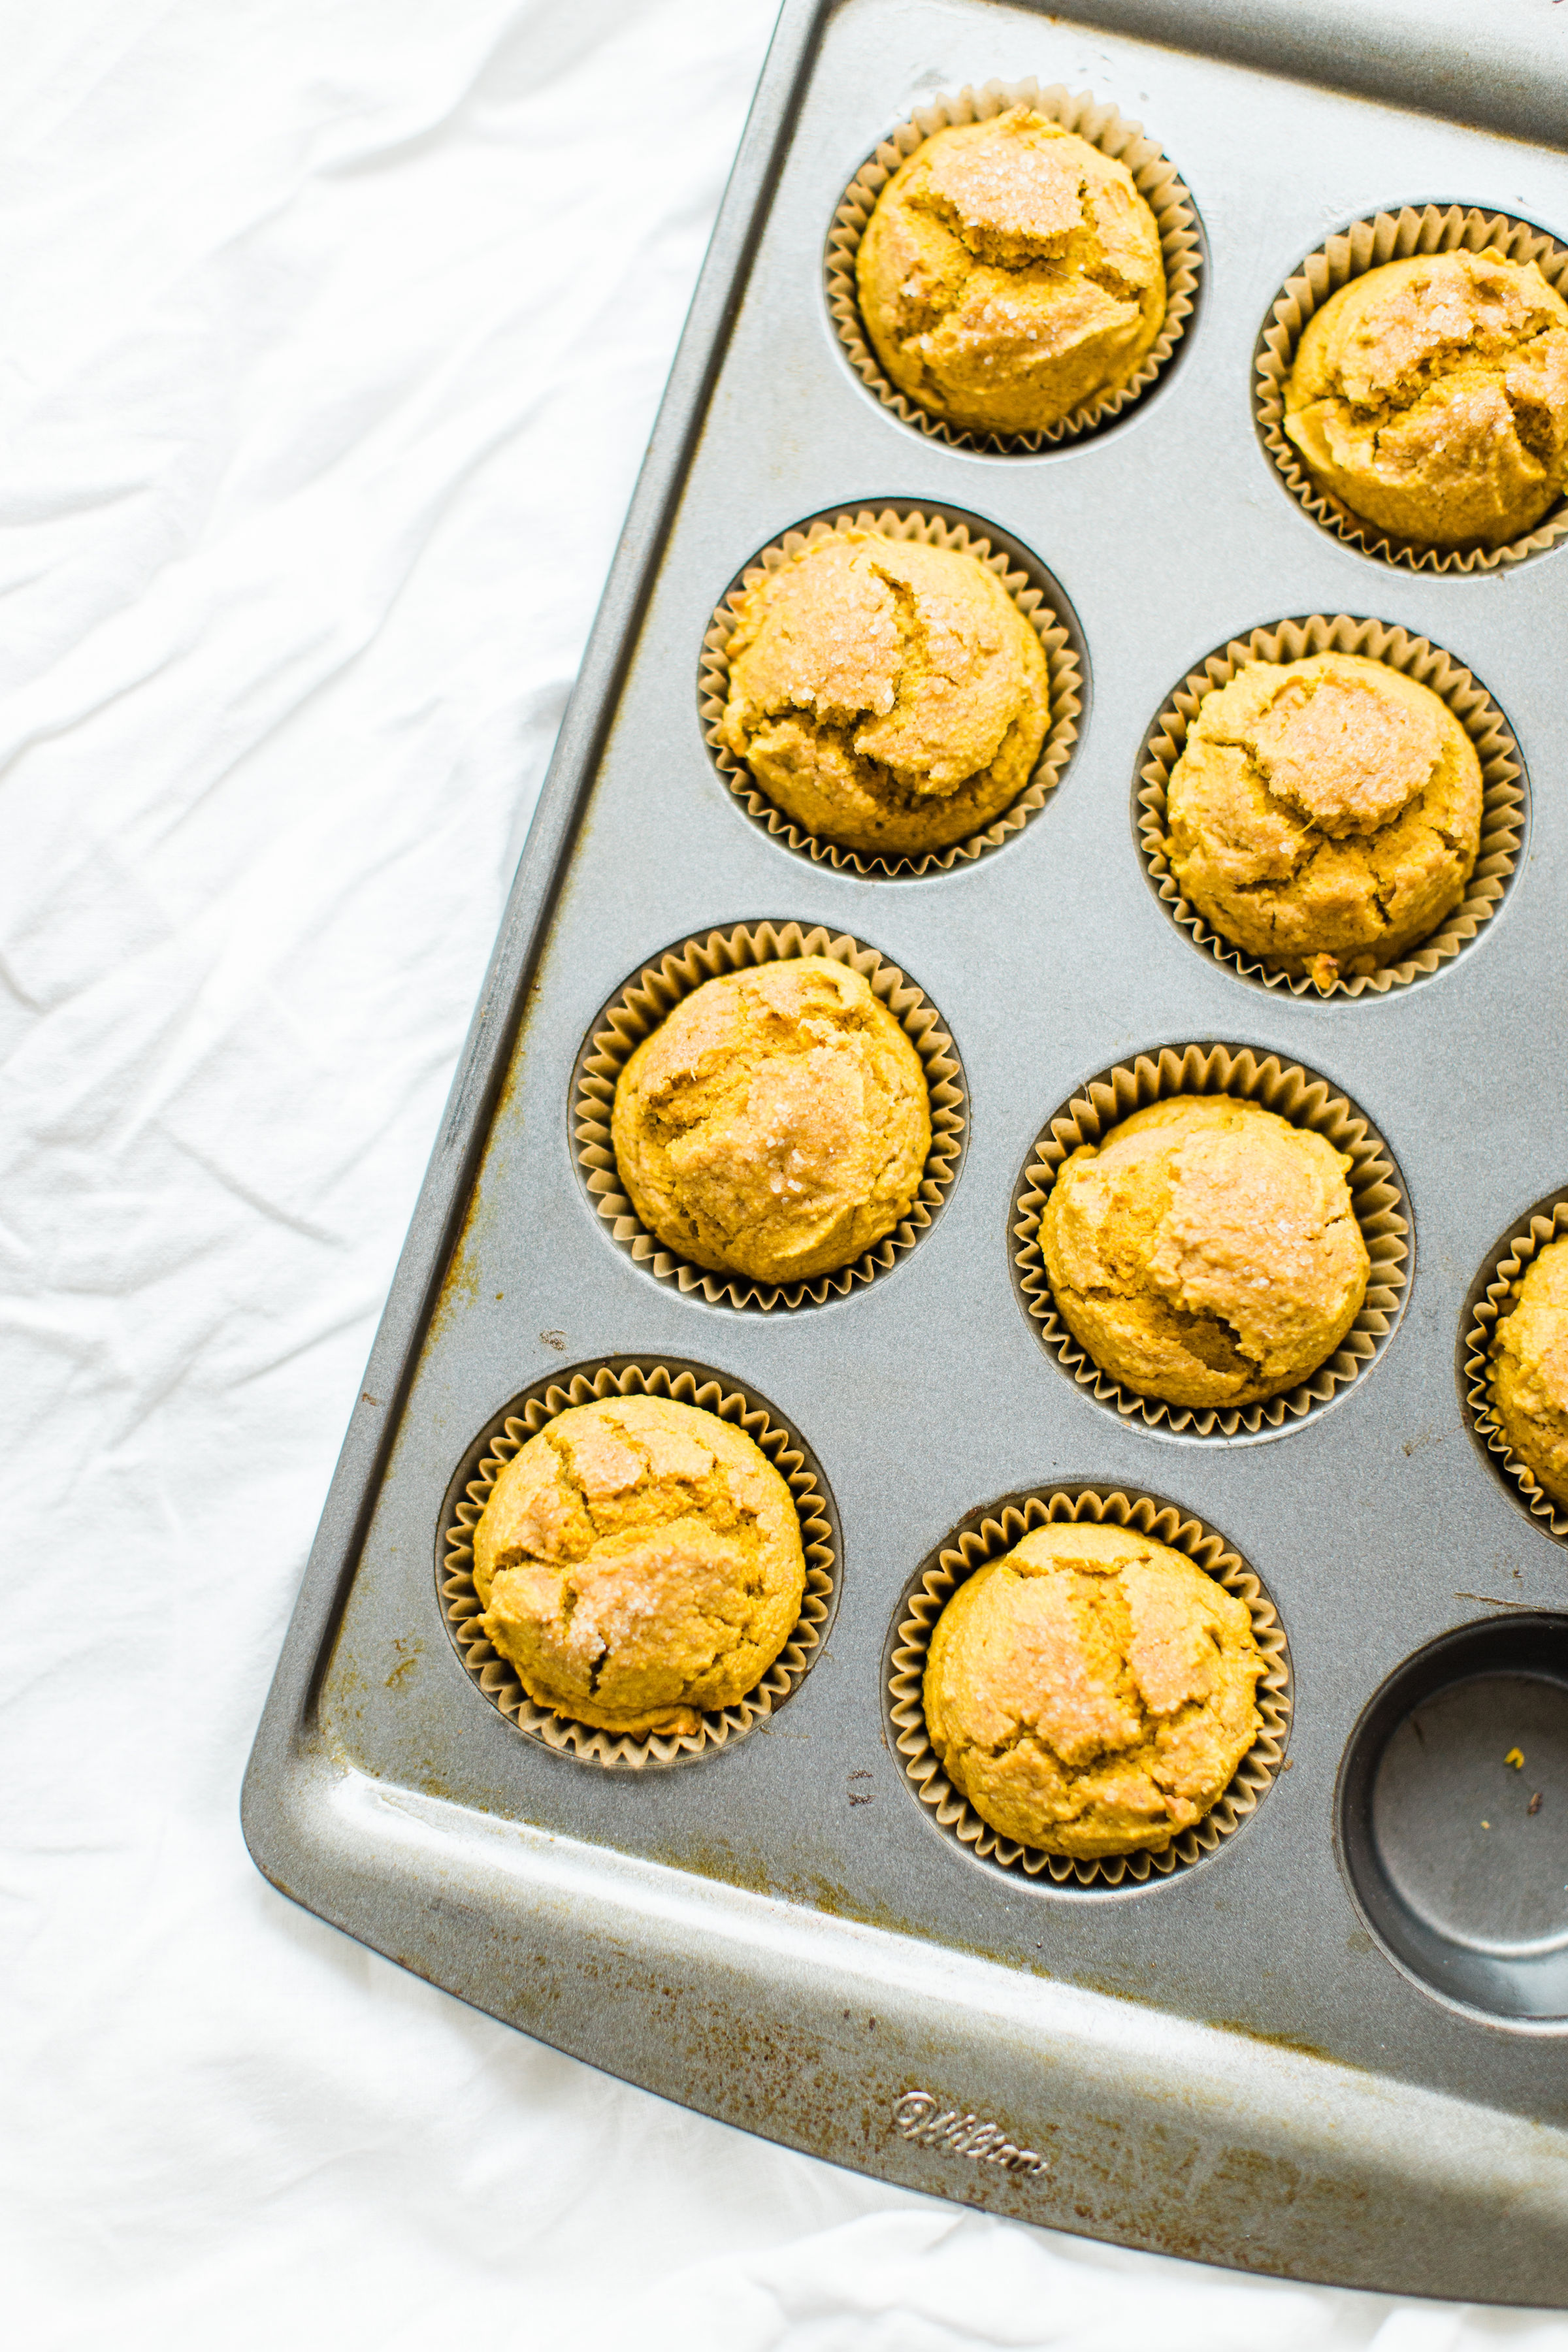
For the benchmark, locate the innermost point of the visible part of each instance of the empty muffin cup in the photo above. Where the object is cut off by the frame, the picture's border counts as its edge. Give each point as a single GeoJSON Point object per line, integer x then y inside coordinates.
{"type": "Point", "coordinates": [1451, 1822]}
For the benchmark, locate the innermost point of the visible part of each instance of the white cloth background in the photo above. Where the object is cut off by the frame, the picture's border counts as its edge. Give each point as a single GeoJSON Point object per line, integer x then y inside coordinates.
{"type": "Point", "coordinates": [332, 330]}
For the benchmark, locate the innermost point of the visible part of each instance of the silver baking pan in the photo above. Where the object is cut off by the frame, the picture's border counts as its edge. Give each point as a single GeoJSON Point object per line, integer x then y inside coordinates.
{"type": "Point", "coordinates": [1335, 2047]}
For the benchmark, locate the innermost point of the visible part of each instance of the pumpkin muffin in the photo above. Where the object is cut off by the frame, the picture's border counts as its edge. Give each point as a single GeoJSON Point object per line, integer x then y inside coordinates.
{"type": "Point", "coordinates": [1430, 398]}
{"type": "Point", "coordinates": [639, 1561]}
{"type": "Point", "coordinates": [1530, 1371]}
{"type": "Point", "coordinates": [1206, 1252]}
{"type": "Point", "coordinates": [886, 695]}
{"type": "Point", "coordinates": [776, 1125]}
{"type": "Point", "coordinates": [1093, 1692]}
{"type": "Point", "coordinates": [1325, 814]}
{"type": "Point", "coordinates": [1009, 274]}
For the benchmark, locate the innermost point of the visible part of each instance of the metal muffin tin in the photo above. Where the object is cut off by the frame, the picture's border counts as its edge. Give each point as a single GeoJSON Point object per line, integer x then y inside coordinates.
{"type": "Point", "coordinates": [1256, 2060]}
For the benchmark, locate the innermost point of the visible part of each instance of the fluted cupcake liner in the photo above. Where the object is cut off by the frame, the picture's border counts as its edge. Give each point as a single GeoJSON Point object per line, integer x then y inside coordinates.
{"type": "Point", "coordinates": [645, 1002]}
{"type": "Point", "coordinates": [1503, 805]}
{"type": "Point", "coordinates": [1377, 1195]}
{"type": "Point", "coordinates": [1366, 245]}
{"type": "Point", "coordinates": [1494, 1294]}
{"type": "Point", "coordinates": [1156, 179]}
{"type": "Point", "coordinates": [1064, 680]}
{"type": "Point", "coordinates": [970, 1548]}
{"type": "Point", "coordinates": [470, 1490]}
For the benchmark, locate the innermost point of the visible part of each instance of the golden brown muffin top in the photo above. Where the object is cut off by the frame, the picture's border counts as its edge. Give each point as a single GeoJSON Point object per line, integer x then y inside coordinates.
{"type": "Point", "coordinates": [912, 663]}
{"type": "Point", "coordinates": [1325, 814]}
{"type": "Point", "coordinates": [776, 1125]}
{"type": "Point", "coordinates": [1206, 1252]}
{"type": "Point", "coordinates": [1431, 397]}
{"type": "Point", "coordinates": [639, 1561]}
{"type": "Point", "coordinates": [1093, 1692]}
{"type": "Point", "coordinates": [1530, 1381]}
{"type": "Point", "coordinates": [1009, 273]}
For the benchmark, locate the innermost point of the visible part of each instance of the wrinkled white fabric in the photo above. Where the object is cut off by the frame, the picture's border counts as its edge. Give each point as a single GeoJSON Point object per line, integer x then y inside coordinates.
{"type": "Point", "coordinates": [330, 335]}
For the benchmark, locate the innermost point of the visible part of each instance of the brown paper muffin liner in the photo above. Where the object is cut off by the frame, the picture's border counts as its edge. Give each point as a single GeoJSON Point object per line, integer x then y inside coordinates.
{"type": "Point", "coordinates": [971, 1547]}
{"type": "Point", "coordinates": [1502, 789]}
{"type": "Point", "coordinates": [1064, 679]}
{"type": "Point", "coordinates": [1156, 179]}
{"type": "Point", "coordinates": [495, 1676]}
{"type": "Point", "coordinates": [639, 1007]}
{"type": "Point", "coordinates": [1494, 1294]}
{"type": "Point", "coordinates": [1368, 244]}
{"type": "Point", "coordinates": [1377, 1194]}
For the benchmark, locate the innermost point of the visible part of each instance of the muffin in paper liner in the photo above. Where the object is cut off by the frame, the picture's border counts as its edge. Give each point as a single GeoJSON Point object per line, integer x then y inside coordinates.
{"type": "Point", "coordinates": [469, 1491]}
{"type": "Point", "coordinates": [1156, 179]}
{"type": "Point", "coordinates": [1494, 1294]}
{"type": "Point", "coordinates": [638, 1007]}
{"type": "Point", "coordinates": [1033, 596]}
{"type": "Point", "coordinates": [1503, 799]}
{"type": "Point", "coordinates": [1377, 1194]}
{"type": "Point", "coordinates": [1367, 245]}
{"type": "Point", "coordinates": [989, 1535]}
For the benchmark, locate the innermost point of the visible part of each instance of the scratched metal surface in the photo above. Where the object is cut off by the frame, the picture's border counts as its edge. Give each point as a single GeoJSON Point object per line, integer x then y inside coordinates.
{"type": "Point", "coordinates": [1223, 2065]}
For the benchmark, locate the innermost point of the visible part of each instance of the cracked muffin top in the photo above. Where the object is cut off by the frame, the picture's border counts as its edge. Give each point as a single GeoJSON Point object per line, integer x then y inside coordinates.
{"type": "Point", "coordinates": [1093, 1692]}
{"type": "Point", "coordinates": [776, 1125]}
{"type": "Point", "coordinates": [1325, 814]}
{"type": "Point", "coordinates": [1530, 1371]}
{"type": "Point", "coordinates": [1206, 1250]}
{"type": "Point", "coordinates": [886, 695]}
{"type": "Point", "coordinates": [639, 1561]}
{"type": "Point", "coordinates": [1009, 273]}
{"type": "Point", "coordinates": [1430, 397]}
